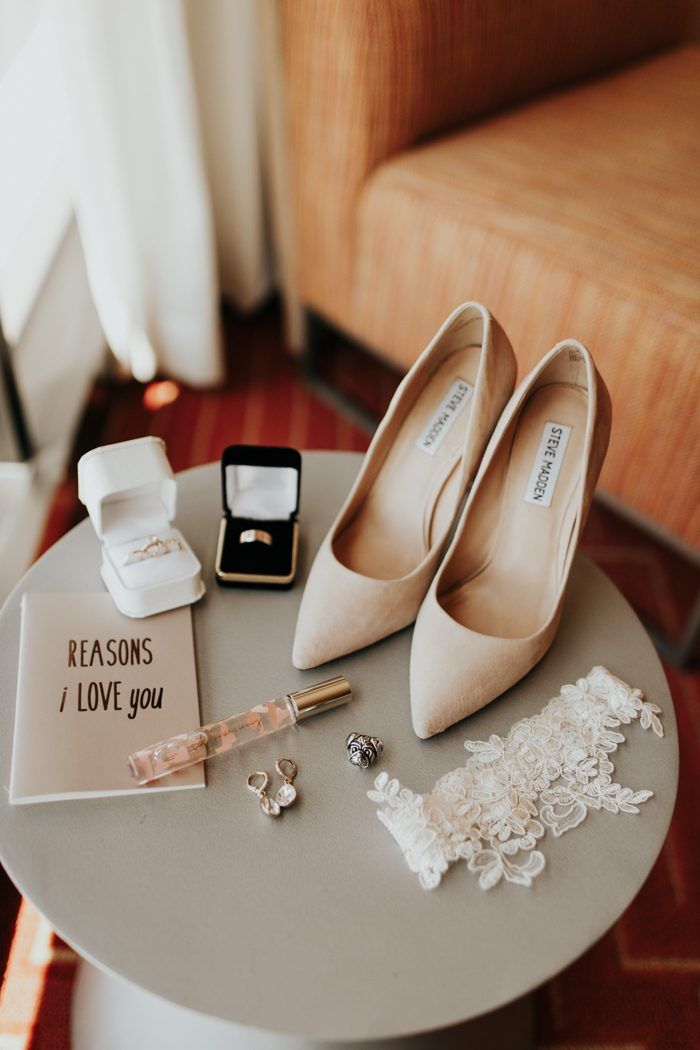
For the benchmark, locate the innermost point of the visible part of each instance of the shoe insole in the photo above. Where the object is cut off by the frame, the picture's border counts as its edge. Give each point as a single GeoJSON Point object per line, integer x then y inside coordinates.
{"type": "Point", "coordinates": [513, 595]}
{"type": "Point", "coordinates": [414, 496]}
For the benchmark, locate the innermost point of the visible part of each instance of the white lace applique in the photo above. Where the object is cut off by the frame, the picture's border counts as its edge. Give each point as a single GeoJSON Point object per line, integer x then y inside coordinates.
{"type": "Point", "coordinates": [549, 771]}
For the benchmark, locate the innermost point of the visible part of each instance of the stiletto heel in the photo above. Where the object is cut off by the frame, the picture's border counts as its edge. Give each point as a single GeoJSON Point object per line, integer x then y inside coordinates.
{"type": "Point", "coordinates": [494, 606]}
{"type": "Point", "coordinates": [376, 563]}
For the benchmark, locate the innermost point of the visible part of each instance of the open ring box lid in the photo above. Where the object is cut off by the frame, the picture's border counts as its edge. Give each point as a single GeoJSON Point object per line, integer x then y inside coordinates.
{"type": "Point", "coordinates": [130, 493]}
{"type": "Point", "coordinates": [260, 488]}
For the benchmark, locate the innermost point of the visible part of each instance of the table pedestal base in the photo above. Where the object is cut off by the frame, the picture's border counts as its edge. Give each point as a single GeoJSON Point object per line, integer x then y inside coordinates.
{"type": "Point", "coordinates": [113, 1014]}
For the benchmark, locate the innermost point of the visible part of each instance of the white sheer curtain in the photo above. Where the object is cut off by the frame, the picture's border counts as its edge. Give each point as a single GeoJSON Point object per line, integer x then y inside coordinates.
{"type": "Point", "coordinates": [141, 194]}
{"type": "Point", "coordinates": [226, 58]}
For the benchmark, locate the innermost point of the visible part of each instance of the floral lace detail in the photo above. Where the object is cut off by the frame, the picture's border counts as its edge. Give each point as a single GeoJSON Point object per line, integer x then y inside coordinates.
{"type": "Point", "coordinates": [548, 772]}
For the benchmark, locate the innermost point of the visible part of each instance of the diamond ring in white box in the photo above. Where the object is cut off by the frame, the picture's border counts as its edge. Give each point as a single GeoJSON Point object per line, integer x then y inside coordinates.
{"type": "Point", "coordinates": [154, 547]}
{"type": "Point", "coordinates": [130, 492]}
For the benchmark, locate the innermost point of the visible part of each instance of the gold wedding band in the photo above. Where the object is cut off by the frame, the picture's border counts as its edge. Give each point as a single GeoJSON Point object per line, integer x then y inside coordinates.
{"type": "Point", "coordinates": [255, 536]}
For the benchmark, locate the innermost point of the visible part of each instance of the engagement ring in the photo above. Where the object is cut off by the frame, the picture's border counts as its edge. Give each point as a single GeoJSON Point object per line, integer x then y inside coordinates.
{"type": "Point", "coordinates": [154, 547]}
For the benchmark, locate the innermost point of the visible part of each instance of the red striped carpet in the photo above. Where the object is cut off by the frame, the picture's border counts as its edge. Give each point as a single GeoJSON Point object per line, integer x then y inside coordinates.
{"type": "Point", "coordinates": [638, 988]}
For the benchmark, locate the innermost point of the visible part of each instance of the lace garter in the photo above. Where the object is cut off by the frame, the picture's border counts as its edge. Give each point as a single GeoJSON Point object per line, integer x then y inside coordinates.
{"type": "Point", "coordinates": [548, 772]}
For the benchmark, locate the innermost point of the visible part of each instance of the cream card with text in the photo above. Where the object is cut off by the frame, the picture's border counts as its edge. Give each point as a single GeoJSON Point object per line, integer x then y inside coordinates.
{"type": "Point", "coordinates": [94, 686]}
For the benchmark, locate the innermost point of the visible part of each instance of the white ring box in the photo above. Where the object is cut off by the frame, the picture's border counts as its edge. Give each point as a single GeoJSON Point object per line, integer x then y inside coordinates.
{"type": "Point", "coordinates": [130, 493]}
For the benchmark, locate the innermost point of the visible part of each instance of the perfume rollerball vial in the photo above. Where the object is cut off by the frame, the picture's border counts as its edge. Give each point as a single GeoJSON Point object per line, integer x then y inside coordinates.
{"type": "Point", "coordinates": [186, 749]}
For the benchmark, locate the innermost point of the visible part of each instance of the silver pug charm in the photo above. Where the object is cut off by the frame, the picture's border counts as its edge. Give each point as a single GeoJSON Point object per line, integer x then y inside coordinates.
{"type": "Point", "coordinates": [364, 750]}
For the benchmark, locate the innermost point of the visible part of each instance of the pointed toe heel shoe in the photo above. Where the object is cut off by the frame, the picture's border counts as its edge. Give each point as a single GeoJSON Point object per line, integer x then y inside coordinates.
{"type": "Point", "coordinates": [495, 603]}
{"type": "Point", "coordinates": [375, 565]}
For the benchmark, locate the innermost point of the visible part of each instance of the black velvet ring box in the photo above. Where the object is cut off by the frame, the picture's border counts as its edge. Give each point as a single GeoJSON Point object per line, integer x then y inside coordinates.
{"type": "Point", "coordinates": [259, 532]}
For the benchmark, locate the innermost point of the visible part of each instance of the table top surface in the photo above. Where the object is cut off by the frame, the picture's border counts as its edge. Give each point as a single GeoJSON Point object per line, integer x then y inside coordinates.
{"type": "Point", "coordinates": [312, 924]}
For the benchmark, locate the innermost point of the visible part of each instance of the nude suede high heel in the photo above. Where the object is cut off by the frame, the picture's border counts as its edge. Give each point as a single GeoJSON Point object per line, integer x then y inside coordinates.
{"type": "Point", "coordinates": [376, 563]}
{"type": "Point", "coordinates": [493, 608]}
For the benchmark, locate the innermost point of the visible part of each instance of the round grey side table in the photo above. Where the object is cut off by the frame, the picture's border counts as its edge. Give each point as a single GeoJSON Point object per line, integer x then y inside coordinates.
{"type": "Point", "coordinates": [230, 929]}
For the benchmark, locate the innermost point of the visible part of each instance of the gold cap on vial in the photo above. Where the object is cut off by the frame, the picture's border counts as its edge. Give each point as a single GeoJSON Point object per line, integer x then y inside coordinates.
{"type": "Point", "coordinates": [321, 697]}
